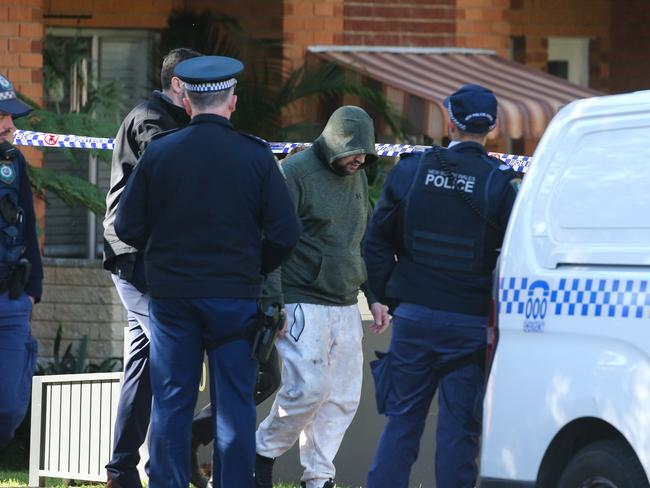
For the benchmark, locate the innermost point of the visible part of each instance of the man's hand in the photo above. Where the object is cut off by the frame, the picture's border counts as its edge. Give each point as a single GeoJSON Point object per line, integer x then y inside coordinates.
{"type": "Point", "coordinates": [379, 313]}
{"type": "Point", "coordinates": [283, 330]}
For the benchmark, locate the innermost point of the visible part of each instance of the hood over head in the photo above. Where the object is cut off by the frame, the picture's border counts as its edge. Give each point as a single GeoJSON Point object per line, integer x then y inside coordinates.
{"type": "Point", "coordinates": [349, 131]}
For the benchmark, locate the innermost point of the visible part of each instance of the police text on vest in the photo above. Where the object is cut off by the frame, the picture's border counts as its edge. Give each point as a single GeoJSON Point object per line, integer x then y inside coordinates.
{"type": "Point", "coordinates": [439, 179]}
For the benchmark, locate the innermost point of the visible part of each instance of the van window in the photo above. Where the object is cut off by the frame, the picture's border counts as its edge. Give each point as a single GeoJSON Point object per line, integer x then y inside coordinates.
{"type": "Point", "coordinates": [593, 204]}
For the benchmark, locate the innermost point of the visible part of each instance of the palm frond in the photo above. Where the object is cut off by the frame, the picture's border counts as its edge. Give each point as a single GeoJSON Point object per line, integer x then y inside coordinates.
{"type": "Point", "coordinates": [70, 189]}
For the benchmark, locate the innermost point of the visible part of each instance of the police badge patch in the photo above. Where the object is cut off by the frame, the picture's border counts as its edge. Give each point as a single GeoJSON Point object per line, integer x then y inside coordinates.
{"type": "Point", "coordinates": [7, 173]}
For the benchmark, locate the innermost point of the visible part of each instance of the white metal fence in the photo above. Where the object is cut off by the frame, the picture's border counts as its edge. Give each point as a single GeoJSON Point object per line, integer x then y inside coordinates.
{"type": "Point", "coordinates": [72, 425]}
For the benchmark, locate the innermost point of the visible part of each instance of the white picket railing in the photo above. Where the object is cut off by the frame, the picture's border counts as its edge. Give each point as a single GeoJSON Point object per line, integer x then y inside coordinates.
{"type": "Point", "coordinates": [72, 426]}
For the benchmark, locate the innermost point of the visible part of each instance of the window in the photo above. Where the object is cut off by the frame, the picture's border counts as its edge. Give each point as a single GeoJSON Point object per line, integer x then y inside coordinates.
{"type": "Point", "coordinates": [124, 56]}
{"type": "Point", "coordinates": [568, 58]}
{"type": "Point", "coordinates": [518, 49]}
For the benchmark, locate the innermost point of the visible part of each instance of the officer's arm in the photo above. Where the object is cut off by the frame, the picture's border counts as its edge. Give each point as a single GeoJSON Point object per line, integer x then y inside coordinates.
{"type": "Point", "coordinates": [381, 241]}
{"type": "Point", "coordinates": [34, 285]}
{"type": "Point", "coordinates": [131, 219]}
{"type": "Point", "coordinates": [508, 198]}
{"type": "Point", "coordinates": [280, 222]}
{"type": "Point", "coordinates": [370, 296]}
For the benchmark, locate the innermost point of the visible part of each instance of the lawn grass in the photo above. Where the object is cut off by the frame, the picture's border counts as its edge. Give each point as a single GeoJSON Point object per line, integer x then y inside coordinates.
{"type": "Point", "coordinates": [19, 479]}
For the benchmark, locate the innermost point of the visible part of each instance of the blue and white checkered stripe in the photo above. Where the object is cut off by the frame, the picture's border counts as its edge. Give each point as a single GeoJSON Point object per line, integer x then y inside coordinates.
{"type": "Point", "coordinates": [7, 95]}
{"type": "Point", "coordinates": [517, 163]}
{"type": "Point", "coordinates": [211, 87]}
{"type": "Point", "coordinates": [31, 138]}
{"type": "Point", "coordinates": [583, 297]}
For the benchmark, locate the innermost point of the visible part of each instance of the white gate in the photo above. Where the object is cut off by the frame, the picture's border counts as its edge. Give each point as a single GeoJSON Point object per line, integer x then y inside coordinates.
{"type": "Point", "coordinates": [72, 425]}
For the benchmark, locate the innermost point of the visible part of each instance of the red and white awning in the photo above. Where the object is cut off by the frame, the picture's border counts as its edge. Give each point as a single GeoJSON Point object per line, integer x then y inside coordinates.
{"type": "Point", "coordinates": [528, 98]}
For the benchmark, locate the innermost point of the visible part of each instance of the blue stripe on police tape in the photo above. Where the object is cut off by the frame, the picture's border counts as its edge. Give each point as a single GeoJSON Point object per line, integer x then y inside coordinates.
{"type": "Point", "coordinates": [43, 139]}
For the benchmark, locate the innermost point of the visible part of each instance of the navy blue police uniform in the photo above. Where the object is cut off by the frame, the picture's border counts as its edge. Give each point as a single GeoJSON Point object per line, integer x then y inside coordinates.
{"type": "Point", "coordinates": [212, 212]}
{"type": "Point", "coordinates": [443, 214]}
{"type": "Point", "coordinates": [21, 272]}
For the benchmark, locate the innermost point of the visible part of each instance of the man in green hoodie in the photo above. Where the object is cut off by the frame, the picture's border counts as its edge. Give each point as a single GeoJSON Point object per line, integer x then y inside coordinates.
{"type": "Point", "coordinates": [321, 347]}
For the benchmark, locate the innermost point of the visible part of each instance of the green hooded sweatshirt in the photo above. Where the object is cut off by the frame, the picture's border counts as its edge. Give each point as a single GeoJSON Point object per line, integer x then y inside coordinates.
{"type": "Point", "coordinates": [326, 266]}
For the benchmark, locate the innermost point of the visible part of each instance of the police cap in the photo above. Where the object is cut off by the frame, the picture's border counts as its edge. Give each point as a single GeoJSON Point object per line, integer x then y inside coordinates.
{"type": "Point", "coordinates": [9, 103]}
{"type": "Point", "coordinates": [208, 73]}
{"type": "Point", "coordinates": [472, 108]}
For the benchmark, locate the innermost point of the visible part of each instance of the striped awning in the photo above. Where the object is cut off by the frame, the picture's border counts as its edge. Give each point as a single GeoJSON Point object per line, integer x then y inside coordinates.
{"type": "Point", "coordinates": [528, 98]}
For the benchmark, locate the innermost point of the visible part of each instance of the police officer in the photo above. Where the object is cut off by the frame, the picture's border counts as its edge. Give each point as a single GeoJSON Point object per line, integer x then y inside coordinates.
{"type": "Point", "coordinates": [442, 214]}
{"type": "Point", "coordinates": [213, 214]}
{"type": "Point", "coordinates": [161, 112]}
{"type": "Point", "coordinates": [21, 272]}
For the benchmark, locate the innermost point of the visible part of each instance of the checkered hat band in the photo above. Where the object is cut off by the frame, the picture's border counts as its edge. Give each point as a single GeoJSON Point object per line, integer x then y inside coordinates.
{"type": "Point", "coordinates": [7, 95]}
{"type": "Point", "coordinates": [211, 87]}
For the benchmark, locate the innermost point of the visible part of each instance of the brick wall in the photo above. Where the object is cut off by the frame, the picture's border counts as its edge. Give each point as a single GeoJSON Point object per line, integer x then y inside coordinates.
{"type": "Point", "coordinates": [537, 20]}
{"type": "Point", "coordinates": [483, 24]}
{"type": "Point", "coordinates": [116, 13]}
{"type": "Point", "coordinates": [21, 60]}
{"type": "Point", "coordinates": [260, 18]}
{"type": "Point", "coordinates": [79, 296]}
{"type": "Point", "coordinates": [630, 46]}
{"type": "Point", "coordinates": [399, 23]}
{"type": "Point", "coordinates": [310, 22]}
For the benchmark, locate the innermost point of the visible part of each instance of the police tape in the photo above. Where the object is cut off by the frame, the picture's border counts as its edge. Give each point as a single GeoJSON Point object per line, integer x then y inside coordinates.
{"type": "Point", "coordinates": [43, 139]}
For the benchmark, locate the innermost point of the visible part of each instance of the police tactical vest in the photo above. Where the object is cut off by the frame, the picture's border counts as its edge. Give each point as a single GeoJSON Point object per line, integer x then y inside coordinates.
{"type": "Point", "coordinates": [12, 244]}
{"type": "Point", "coordinates": [447, 216]}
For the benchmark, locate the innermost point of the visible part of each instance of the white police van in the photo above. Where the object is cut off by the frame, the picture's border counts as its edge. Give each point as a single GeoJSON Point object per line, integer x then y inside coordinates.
{"type": "Point", "coordinates": [568, 396]}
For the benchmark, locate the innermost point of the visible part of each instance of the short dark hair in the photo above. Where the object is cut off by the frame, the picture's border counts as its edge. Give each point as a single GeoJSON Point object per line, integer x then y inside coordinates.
{"type": "Point", "coordinates": [170, 61]}
{"type": "Point", "coordinates": [472, 135]}
{"type": "Point", "coordinates": [203, 100]}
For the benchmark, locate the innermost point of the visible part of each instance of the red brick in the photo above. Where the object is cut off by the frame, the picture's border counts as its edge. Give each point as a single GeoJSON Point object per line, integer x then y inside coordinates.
{"type": "Point", "coordinates": [37, 77]}
{"type": "Point", "coordinates": [304, 7]}
{"type": "Point", "coordinates": [292, 24]}
{"type": "Point", "coordinates": [314, 24]}
{"type": "Point", "coordinates": [35, 92]}
{"type": "Point", "coordinates": [20, 13]}
{"type": "Point", "coordinates": [19, 76]}
{"type": "Point", "coordinates": [31, 30]}
{"type": "Point", "coordinates": [31, 60]}
{"type": "Point", "coordinates": [398, 12]}
{"type": "Point", "coordinates": [20, 45]}
{"type": "Point", "coordinates": [333, 24]}
{"type": "Point", "coordinates": [9, 60]}
{"type": "Point", "coordinates": [324, 9]}
{"type": "Point", "coordinates": [4, 13]}
{"type": "Point", "coordinates": [9, 29]}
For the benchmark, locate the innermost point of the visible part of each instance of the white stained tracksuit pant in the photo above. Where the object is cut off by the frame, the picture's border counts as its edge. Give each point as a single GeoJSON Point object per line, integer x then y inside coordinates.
{"type": "Point", "coordinates": [321, 387]}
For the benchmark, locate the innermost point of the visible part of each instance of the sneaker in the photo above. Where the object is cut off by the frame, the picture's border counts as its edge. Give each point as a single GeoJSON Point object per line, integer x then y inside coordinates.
{"type": "Point", "coordinates": [263, 471]}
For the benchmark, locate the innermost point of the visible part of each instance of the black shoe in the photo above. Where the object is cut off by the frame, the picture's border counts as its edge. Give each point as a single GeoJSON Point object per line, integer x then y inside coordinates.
{"type": "Point", "coordinates": [327, 484]}
{"type": "Point", "coordinates": [111, 482]}
{"type": "Point", "coordinates": [263, 471]}
{"type": "Point", "coordinates": [197, 478]}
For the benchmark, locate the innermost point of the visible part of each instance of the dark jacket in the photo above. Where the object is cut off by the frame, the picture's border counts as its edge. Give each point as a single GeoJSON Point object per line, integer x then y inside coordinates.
{"type": "Point", "coordinates": [198, 203]}
{"type": "Point", "coordinates": [327, 267]}
{"type": "Point", "coordinates": [14, 161]}
{"type": "Point", "coordinates": [426, 244]}
{"type": "Point", "coordinates": [157, 114]}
